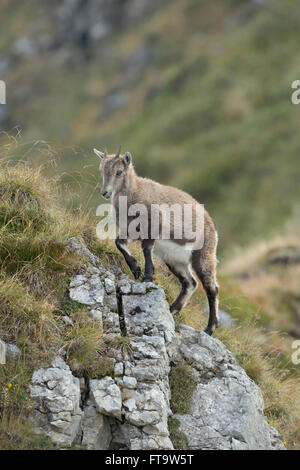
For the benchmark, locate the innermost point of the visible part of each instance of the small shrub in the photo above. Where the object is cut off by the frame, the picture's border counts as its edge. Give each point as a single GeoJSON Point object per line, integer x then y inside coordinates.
{"type": "Point", "coordinates": [182, 385]}
{"type": "Point", "coordinates": [83, 344]}
{"type": "Point", "coordinates": [177, 437]}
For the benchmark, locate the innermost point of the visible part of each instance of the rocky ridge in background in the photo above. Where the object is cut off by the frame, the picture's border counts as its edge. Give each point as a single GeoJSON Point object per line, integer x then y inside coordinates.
{"type": "Point", "coordinates": [130, 410]}
{"type": "Point", "coordinates": [72, 33]}
{"type": "Point", "coordinates": [81, 26]}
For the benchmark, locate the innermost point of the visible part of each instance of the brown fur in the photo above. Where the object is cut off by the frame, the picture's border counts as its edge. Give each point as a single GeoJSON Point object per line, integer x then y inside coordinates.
{"type": "Point", "coordinates": [147, 192]}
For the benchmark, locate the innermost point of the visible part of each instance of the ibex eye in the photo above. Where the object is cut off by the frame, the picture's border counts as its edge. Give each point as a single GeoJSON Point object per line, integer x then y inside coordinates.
{"type": "Point", "coordinates": [119, 172]}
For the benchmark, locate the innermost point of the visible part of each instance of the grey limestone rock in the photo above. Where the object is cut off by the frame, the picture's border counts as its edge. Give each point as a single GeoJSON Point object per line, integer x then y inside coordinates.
{"type": "Point", "coordinates": [130, 410]}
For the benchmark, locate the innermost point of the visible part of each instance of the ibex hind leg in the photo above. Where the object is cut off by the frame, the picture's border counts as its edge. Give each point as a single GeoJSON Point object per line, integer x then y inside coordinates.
{"type": "Point", "coordinates": [204, 264]}
{"type": "Point", "coordinates": [188, 286]}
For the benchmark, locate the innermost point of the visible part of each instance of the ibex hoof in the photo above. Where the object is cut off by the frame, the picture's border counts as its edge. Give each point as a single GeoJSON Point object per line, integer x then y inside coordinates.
{"type": "Point", "coordinates": [208, 331]}
{"type": "Point", "coordinates": [147, 279]}
{"type": "Point", "coordinates": [175, 311]}
{"type": "Point", "coordinates": [137, 272]}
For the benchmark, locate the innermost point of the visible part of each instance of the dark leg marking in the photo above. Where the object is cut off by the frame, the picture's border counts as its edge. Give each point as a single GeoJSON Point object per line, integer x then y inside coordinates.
{"type": "Point", "coordinates": [130, 260]}
{"type": "Point", "coordinates": [188, 285]}
{"type": "Point", "coordinates": [207, 277]}
{"type": "Point", "coordinates": [212, 296]}
{"type": "Point", "coordinates": [147, 246]}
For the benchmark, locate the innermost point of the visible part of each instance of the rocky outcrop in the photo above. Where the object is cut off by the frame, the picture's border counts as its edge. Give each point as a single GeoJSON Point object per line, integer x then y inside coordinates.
{"type": "Point", "coordinates": [81, 26]}
{"type": "Point", "coordinates": [130, 409]}
{"type": "Point", "coordinates": [226, 409]}
{"type": "Point", "coordinates": [57, 403]}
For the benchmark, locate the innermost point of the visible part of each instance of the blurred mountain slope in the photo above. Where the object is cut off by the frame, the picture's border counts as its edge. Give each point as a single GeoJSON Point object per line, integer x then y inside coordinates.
{"type": "Point", "coordinates": [268, 274]}
{"type": "Point", "coordinates": [199, 92]}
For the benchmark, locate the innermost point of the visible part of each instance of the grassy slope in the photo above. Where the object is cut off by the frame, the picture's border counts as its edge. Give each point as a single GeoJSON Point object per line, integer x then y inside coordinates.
{"type": "Point", "coordinates": [209, 112]}
{"type": "Point", "coordinates": [268, 273]}
{"type": "Point", "coordinates": [35, 270]}
{"type": "Point", "coordinates": [213, 99]}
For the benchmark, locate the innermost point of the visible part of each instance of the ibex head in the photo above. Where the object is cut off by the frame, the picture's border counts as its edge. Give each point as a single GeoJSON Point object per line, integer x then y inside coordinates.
{"type": "Point", "coordinates": [114, 169]}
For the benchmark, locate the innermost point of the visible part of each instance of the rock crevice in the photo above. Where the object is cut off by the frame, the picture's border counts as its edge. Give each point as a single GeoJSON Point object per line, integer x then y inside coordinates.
{"type": "Point", "coordinates": [130, 410]}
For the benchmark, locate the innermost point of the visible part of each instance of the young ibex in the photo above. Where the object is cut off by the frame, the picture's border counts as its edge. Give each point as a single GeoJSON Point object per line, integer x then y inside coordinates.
{"type": "Point", "coordinates": [180, 256]}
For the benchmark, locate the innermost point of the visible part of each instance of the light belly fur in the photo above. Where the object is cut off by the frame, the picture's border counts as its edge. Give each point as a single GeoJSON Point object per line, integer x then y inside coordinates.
{"type": "Point", "coordinates": [172, 253]}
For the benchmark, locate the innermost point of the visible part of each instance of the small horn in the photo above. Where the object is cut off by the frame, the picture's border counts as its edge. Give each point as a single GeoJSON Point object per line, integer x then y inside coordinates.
{"type": "Point", "coordinates": [105, 152]}
{"type": "Point", "coordinates": [100, 154]}
{"type": "Point", "coordinates": [118, 152]}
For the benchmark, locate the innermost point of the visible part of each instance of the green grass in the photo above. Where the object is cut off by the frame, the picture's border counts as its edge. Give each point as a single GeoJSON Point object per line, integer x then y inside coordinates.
{"type": "Point", "coordinates": [233, 300]}
{"type": "Point", "coordinates": [36, 266]}
{"type": "Point", "coordinates": [177, 437]}
{"type": "Point", "coordinates": [34, 298]}
{"type": "Point", "coordinates": [263, 352]}
{"type": "Point", "coordinates": [15, 407]}
{"type": "Point", "coordinates": [182, 385]}
{"type": "Point", "coordinates": [210, 112]}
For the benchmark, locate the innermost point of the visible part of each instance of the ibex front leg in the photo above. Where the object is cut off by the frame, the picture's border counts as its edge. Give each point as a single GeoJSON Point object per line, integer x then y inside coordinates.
{"type": "Point", "coordinates": [147, 246]}
{"type": "Point", "coordinates": [130, 260]}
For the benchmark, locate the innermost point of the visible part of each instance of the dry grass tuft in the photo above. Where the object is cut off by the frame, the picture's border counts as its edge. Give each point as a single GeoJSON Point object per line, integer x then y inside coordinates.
{"type": "Point", "coordinates": [35, 268]}
{"type": "Point", "coordinates": [182, 386]}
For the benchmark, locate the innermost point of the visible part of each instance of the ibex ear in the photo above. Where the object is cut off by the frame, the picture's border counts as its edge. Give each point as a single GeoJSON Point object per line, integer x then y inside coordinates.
{"type": "Point", "coordinates": [100, 154]}
{"type": "Point", "coordinates": [127, 158]}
